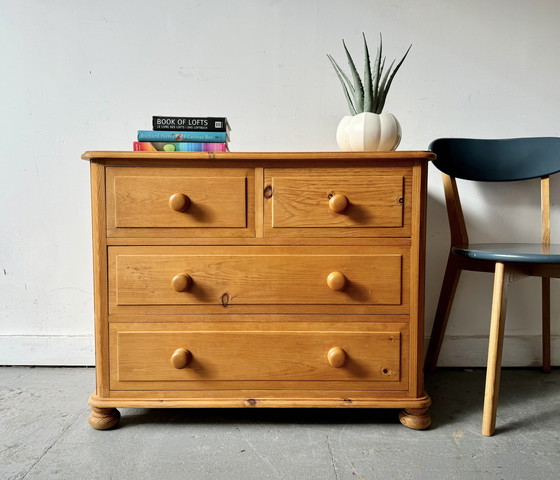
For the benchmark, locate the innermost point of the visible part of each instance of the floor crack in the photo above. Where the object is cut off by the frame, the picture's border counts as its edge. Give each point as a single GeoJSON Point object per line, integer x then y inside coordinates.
{"type": "Point", "coordinates": [57, 439]}
{"type": "Point", "coordinates": [264, 459]}
{"type": "Point", "coordinates": [332, 457]}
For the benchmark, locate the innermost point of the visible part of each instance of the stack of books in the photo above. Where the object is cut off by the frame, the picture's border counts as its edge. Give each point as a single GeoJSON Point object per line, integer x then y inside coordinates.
{"type": "Point", "coordinates": [185, 134]}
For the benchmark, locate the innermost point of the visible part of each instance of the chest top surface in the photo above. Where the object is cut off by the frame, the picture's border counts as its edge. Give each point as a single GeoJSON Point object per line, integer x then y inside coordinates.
{"type": "Point", "coordinates": [329, 157]}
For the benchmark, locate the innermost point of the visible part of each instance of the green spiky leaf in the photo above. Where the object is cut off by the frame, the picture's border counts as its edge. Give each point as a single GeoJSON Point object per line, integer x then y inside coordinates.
{"type": "Point", "coordinates": [378, 68]}
{"type": "Point", "coordinates": [378, 87]}
{"type": "Point", "coordinates": [369, 96]}
{"type": "Point", "coordinates": [390, 81]}
{"type": "Point", "coordinates": [382, 87]}
{"type": "Point", "coordinates": [358, 87]}
{"type": "Point", "coordinates": [346, 79]}
{"type": "Point", "coordinates": [368, 91]}
{"type": "Point", "coordinates": [342, 77]}
{"type": "Point", "coordinates": [347, 82]}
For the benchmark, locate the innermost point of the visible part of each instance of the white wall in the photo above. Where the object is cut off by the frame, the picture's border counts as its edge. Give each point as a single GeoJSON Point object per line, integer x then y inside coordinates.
{"type": "Point", "coordinates": [80, 75]}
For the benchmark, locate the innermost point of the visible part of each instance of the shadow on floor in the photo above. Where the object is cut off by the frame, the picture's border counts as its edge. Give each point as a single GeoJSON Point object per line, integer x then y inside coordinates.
{"type": "Point", "coordinates": [272, 416]}
{"type": "Point", "coordinates": [457, 397]}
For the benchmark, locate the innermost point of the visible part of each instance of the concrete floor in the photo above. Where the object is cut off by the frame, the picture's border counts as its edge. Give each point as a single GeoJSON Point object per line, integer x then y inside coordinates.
{"type": "Point", "coordinates": [44, 434]}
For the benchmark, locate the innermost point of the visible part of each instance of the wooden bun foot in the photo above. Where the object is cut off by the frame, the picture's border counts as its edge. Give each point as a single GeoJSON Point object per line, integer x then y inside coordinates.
{"type": "Point", "coordinates": [104, 418]}
{"type": "Point", "coordinates": [415, 418]}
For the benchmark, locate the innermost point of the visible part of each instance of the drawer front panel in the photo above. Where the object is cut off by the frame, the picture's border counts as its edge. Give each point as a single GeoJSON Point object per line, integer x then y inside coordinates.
{"type": "Point", "coordinates": [141, 356]}
{"type": "Point", "coordinates": [230, 276]}
{"type": "Point", "coordinates": [371, 202]}
{"type": "Point", "coordinates": [214, 202]}
{"type": "Point", "coordinates": [367, 203]}
{"type": "Point", "coordinates": [148, 202]}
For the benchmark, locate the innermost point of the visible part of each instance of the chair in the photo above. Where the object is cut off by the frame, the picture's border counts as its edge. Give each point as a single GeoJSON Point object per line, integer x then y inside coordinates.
{"type": "Point", "coordinates": [495, 161]}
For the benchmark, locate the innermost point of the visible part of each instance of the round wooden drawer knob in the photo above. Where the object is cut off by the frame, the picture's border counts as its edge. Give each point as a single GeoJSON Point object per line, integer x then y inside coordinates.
{"type": "Point", "coordinates": [179, 202]}
{"type": "Point", "coordinates": [336, 281]}
{"type": "Point", "coordinates": [336, 357]}
{"type": "Point", "coordinates": [181, 358]}
{"type": "Point", "coordinates": [181, 282]}
{"type": "Point", "coordinates": [338, 203]}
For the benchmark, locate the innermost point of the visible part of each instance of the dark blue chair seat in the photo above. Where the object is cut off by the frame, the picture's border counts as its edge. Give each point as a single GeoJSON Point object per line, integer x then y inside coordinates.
{"type": "Point", "coordinates": [510, 252]}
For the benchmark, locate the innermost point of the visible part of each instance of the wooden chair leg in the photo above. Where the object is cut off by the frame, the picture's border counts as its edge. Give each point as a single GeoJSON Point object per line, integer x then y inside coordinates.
{"type": "Point", "coordinates": [448, 288]}
{"type": "Point", "coordinates": [546, 325]}
{"type": "Point", "coordinates": [495, 346]}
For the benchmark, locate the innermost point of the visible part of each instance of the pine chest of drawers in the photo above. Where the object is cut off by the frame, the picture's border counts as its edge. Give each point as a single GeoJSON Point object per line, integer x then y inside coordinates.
{"type": "Point", "coordinates": [258, 280]}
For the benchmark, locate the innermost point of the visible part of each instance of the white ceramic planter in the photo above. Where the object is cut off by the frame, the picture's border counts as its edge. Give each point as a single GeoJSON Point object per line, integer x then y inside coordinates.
{"type": "Point", "coordinates": [368, 132]}
{"type": "Point", "coordinates": [342, 134]}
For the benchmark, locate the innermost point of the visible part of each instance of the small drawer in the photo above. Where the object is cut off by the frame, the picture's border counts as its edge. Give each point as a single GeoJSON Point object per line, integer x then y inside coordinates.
{"type": "Point", "coordinates": [166, 201]}
{"type": "Point", "coordinates": [369, 202]}
{"type": "Point", "coordinates": [288, 355]}
{"type": "Point", "coordinates": [171, 278]}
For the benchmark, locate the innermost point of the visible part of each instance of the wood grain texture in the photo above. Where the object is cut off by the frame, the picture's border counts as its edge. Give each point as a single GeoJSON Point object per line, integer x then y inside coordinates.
{"type": "Point", "coordinates": [545, 282]}
{"type": "Point", "coordinates": [545, 210]}
{"type": "Point", "coordinates": [257, 275]}
{"type": "Point", "coordinates": [99, 242]}
{"type": "Point", "coordinates": [415, 418]}
{"type": "Point", "coordinates": [220, 202]}
{"type": "Point", "coordinates": [257, 324]}
{"type": "Point", "coordinates": [417, 273]}
{"type": "Point", "coordinates": [379, 202]}
{"type": "Point", "coordinates": [282, 388]}
{"type": "Point", "coordinates": [328, 318]}
{"type": "Point", "coordinates": [260, 399]}
{"type": "Point", "coordinates": [223, 358]}
{"type": "Point", "coordinates": [455, 216]}
{"type": "Point", "coordinates": [272, 241]}
{"type": "Point", "coordinates": [495, 347]}
{"type": "Point", "coordinates": [144, 201]}
{"type": "Point", "coordinates": [366, 202]}
{"type": "Point", "coordinates": [334, 158]}
{"type": "Point", "coordinates": [104, 418]}
{"type": "Point", "coordinates": [259, 192]}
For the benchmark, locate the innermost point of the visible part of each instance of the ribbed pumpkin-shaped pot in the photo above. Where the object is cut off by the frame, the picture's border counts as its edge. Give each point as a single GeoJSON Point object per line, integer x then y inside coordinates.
{"type": "Point", "coordinates": [369, 132]}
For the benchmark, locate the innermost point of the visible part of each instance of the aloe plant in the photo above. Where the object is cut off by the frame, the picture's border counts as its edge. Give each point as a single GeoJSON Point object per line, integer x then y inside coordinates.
{"type": "Point", "coordinates": [370, 94]}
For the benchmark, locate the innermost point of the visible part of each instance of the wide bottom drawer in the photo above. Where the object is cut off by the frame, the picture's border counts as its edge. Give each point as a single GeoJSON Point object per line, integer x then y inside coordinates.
{"type": "Point", "coordinates": [260, 356]}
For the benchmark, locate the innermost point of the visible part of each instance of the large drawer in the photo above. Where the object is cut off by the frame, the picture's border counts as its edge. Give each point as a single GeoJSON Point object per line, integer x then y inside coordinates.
{"type": "Point", "coordinates": [176, 279]}
{"type": "Point", "coordinates": [163, 202]}
{"type": "Point", "coordinates": [257, 356]}
{"type": "Point", "coordinates": [340, 202]}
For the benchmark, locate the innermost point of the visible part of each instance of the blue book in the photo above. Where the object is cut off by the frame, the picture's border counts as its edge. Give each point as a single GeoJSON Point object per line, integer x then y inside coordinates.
{"type": "Point", "coordinates": [176, 136]}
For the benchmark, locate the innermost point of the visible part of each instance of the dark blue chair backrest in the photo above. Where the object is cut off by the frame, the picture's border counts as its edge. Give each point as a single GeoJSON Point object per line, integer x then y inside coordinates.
{"type": "Point", "coordinates": [497, 160]}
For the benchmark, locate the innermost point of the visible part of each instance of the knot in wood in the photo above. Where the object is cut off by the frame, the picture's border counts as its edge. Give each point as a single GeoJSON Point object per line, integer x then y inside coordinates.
{"type": "Point", "coordinates": [267, 191]}
{"type": "Point", "coordinates": [225, 299]}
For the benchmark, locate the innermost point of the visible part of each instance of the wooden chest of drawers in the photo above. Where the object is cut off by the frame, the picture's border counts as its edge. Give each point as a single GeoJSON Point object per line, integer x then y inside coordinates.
{"type": "Point", "coordinates": [259, 280]}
